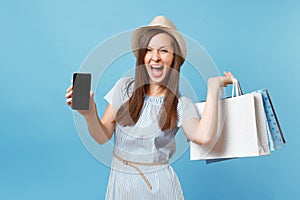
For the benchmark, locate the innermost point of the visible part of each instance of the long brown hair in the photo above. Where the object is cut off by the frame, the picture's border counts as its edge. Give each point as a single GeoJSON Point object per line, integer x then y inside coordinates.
{"type": "Point", "coordinates": [129, 113]}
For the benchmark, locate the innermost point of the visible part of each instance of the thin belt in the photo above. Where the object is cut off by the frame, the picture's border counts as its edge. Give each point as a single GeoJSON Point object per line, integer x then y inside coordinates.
{"type": "Point", "coordinates": [133, 164]}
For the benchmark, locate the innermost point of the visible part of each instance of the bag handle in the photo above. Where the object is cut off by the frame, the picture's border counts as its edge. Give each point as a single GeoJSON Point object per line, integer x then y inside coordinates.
{"type": "Point", "coordinates": [236, 88]}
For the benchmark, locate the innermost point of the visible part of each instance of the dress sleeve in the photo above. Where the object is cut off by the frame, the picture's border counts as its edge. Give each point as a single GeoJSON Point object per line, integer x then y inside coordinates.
{"type": "Point", "coordinates": [119, 93]}
{"type": "Point", "coordinates": [186, 109]}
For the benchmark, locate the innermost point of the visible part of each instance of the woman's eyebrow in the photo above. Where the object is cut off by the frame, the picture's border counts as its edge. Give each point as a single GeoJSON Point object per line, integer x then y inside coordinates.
{"type": "Point", "coordinates": [159, 47]}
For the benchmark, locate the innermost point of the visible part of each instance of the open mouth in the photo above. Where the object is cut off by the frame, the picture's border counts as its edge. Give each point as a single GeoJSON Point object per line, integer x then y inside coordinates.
{"type": "Point", "coordinates": [157, 67]}
{"type": "Point", "coordinates": [156, 70]}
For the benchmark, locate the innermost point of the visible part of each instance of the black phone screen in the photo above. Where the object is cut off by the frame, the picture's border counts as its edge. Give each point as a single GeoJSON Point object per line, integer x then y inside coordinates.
{"type": "Point", "coordinates": [81, 91]}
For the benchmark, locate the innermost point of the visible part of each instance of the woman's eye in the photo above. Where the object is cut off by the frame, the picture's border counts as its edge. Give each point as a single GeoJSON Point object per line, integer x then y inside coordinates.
{"type": "Point", "coordinates": [164, 50]}
{"type": "Point", "coordinates": [148, 49]}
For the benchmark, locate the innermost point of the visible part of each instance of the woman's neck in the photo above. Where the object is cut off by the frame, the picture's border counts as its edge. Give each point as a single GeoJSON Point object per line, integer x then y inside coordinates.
{"type": "Point", "coordinates": [156, 90]}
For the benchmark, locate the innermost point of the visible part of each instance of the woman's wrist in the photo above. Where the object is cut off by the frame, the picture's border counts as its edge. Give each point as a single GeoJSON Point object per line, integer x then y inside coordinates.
{"type": "Point", "coordinates": [90, 115]}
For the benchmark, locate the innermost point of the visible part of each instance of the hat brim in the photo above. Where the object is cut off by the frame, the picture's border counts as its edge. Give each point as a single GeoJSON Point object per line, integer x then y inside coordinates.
{"type": "Point", "coordinates": [141, 30]}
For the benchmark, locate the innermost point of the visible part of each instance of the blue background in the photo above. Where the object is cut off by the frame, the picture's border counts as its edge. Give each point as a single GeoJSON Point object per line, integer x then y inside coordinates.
{"type": "Point", "coordinates": [43, 42]}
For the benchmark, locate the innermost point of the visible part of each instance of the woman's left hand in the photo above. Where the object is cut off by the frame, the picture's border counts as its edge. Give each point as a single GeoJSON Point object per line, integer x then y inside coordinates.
{"type": "Point", "coordinates": [220, 81]}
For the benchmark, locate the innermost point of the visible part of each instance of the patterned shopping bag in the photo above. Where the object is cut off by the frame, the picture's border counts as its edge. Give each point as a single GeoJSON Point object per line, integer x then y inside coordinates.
{"type": "Point", "coordinates": [275, 135]}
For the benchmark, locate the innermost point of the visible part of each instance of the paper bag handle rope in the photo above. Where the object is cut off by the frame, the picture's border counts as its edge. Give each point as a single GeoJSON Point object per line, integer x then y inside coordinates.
{"type": "Point", "coordinates": [236, 88]}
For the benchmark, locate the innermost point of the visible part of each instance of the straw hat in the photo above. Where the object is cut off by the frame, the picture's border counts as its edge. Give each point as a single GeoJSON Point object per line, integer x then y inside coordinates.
{"type": "Point", "coordinates": [160, 22]}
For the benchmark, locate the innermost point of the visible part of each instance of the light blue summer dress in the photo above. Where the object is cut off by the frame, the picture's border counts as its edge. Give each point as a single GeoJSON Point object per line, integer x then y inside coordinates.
{"type": "Point", "coordinates": [144, 143]}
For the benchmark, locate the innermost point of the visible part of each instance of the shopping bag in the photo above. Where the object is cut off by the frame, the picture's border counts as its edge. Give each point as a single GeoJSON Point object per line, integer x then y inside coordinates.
{"type": "Point", "coordinates": [274, 131]}
{"type": "Point", "coordinates": [241, 133]}
{"type": "Point", "coordinates": [276, 139]}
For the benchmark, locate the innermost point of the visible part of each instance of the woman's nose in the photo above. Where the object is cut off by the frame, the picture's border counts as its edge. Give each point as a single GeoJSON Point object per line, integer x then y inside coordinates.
{"type": "Point", "coordinates": [155, 55]}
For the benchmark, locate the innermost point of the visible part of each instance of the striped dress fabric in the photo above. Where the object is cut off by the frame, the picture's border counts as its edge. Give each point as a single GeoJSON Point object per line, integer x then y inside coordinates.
{"type": "Point", "coordinates": [146, 143]}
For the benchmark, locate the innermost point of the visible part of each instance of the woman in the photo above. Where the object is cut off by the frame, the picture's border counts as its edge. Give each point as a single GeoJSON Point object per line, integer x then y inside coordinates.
{"type": "Point", "coordinates": [145, 112]}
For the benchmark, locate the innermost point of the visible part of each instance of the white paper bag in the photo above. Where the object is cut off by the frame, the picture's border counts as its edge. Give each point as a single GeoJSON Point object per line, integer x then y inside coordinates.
{"type": "Point", "coordinates": [241, 130]}
{"type": "Point", "coordinates": [261, 122]}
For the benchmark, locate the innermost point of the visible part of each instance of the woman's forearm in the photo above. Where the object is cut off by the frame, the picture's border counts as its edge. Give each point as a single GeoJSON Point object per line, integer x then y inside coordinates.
{"type": "Point", "coordinates": [97, 129]}
{"type": "Point", "coordinates": [208, 124]}
{"type": "Point", "coordinates": [207, 127]}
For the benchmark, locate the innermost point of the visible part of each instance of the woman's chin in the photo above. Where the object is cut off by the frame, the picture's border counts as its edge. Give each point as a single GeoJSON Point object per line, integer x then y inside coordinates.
{"type": "Point", "coordinates": [157, 79]}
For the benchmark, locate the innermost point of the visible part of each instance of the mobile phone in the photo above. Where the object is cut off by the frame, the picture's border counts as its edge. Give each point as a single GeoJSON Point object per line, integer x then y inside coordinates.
{"type": "Point", "coordinates": [81, 91]}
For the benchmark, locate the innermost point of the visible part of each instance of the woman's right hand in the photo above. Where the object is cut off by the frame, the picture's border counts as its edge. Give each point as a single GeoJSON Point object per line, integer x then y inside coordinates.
{"type": "Point", "coordinates": [85, 113]}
